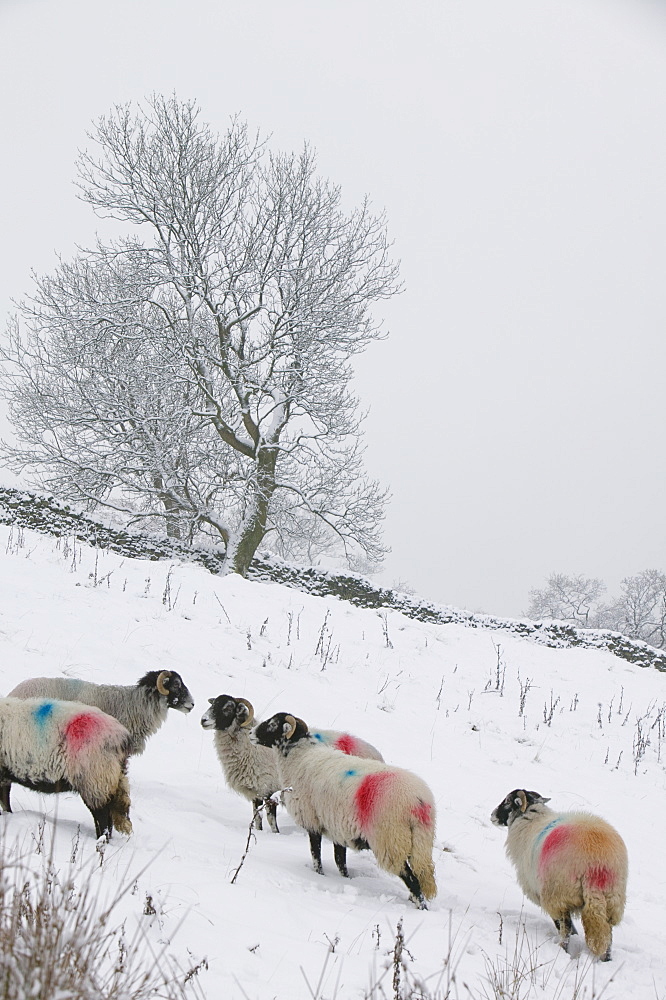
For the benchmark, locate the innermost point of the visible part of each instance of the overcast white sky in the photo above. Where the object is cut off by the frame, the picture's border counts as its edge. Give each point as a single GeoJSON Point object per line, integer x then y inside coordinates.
{"type": "Point", "coordinates": [517, 410]}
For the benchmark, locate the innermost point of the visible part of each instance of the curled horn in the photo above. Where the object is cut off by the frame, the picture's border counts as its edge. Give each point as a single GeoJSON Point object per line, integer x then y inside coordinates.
{"type": "Point", "coordinates": [161, 678]}
{"type": "Point", "coordinates": [521, 800]}
{"type": "Point", "coordinates": [250, 711]}
{"type": "Point", "coordinates": [290, 721]}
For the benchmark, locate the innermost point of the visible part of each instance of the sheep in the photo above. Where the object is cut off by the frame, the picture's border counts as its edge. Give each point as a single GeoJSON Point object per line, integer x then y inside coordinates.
{"type": "Point", "coordinates": [60, 746]}
{"type": "Point", "coordinates": [250, 769]}
{"type": "Point", "coordinates": [357, 803]}
{"type": "Point", "coordinates": [141, 707]}
{"type": "Point", "coordinates": [567, 863]}
{"type": "Point", "coordinates": [352, 745]}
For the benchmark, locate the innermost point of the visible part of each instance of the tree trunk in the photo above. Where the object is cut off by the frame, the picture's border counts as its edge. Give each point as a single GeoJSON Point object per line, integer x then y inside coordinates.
{"type": "Point", "coordinates": [171, 517]}
{"type": "Point", "coordinates": [253, 528]}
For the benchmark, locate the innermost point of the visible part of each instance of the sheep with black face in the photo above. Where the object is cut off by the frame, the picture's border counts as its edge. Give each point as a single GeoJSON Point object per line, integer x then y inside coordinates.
{"type": "Point", "coordinates": [140, 707]}
{"type": "Point", "coordinates": [567, 863]}
{"type": "Point", "coordinates": [357, 803]}
{"type": "Point", "coordinates": [252, 770]}
{"type": "Point", "coordinates": [249, 769]}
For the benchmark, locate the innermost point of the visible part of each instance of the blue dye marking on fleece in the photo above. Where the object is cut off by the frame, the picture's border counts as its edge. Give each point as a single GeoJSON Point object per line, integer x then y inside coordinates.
{"type": "Point", "coordinates": [547, 829]}
{"type": "Point", "coordinates": [541, 836]}
{"type": "Point", "coordinates": [350, 773]}
{"type": "Point", "coordinates": [43, 713]}
{"type": "Point", "coordinates": [318, 736]}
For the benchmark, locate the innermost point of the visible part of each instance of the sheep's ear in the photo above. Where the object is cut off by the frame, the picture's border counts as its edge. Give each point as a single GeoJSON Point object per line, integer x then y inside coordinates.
{"type": "Point", "coordinates": [160, 684]}
{"type": "Point", "coordinates": [521, 800]}
{"type": "Point", "coordinates": [243, 703]}
{"type": "Point", "coordinates": [211, 701]}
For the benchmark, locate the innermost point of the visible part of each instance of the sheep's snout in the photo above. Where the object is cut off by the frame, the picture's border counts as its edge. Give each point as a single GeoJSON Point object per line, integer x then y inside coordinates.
{"type": "Point", "coordinates": [184, 706]}
{"type": "Point", "coordinates": [207, 720]}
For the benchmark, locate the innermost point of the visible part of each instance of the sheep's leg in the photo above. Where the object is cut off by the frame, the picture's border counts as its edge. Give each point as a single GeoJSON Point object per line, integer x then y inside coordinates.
{"type": "Point", "coordinates": [5, 789]}
{"type": "Point", "coordinates": [340, 855]}
{"type": "Point", "coordinates": [414, 886]}
{"type": "Point", "coordinates": [271, 814]}
{"type": "Point", "coordinates": [102, 818]}
{"type": "Point", "coordinates": [256, 805]}
{"type": "Point", "coordinates": [566, 929]}
{"type": "Point", "coordinates": [315, 851]}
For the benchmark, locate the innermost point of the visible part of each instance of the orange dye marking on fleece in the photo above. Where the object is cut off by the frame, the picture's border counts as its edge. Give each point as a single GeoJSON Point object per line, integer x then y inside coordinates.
{"type": "Point", "coordinates": [369, 794]}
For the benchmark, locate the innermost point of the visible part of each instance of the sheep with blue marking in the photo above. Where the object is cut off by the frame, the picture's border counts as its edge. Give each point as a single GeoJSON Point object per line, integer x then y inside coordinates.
{"type": "Point", "coordinates": [352, 745]}
{"type": "Point", "coordinates": [567, 863]}
{"type": "Point", "coordinates": [140, 707]}
{"type": "Point", "coordinates": [61, 746]}
{"type": "Point", "coordinates": [357, 803]}
{"type": "Point", "coordinates": [250, 769]}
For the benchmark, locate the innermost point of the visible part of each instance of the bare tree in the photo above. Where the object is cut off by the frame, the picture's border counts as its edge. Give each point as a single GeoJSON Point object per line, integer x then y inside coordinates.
{"type": "Point", "coordinates": [568, 598]}
{"type": "Point", "coordinates": [640, 610]}
{"type": "Point", "coordinates": [199, 369]}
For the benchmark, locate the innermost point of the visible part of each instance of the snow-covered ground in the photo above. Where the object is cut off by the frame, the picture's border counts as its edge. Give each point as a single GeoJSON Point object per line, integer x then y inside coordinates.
{"type": "Point", "coordinates": [475, 713]}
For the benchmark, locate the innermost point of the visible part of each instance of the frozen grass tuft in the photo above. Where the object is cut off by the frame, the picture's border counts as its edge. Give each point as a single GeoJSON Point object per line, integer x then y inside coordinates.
{"type": "Point", "coordinates": [58, 940]}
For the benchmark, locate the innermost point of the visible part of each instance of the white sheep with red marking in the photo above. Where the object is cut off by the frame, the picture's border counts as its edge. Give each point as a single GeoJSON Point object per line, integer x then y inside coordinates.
{"type": "Point", "coordinates": [357, 803]}
{"type": "Point", "coordinates": [140, 707]}
{"type": "Point", "coordinates": [567, 863]}
{"type": "Point", "coordinates": [252, 770]}
{"type": "Point", "coordinates": [60, 746]}
{"type": "Point", "coordinates": [349, 744]}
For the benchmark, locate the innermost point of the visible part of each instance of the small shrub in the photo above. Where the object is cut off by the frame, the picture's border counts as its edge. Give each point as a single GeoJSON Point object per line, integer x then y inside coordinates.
{"type": "Point", "coordinates": [57, 940]}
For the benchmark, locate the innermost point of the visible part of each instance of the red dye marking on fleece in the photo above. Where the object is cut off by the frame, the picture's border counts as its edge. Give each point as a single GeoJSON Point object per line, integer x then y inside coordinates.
{"type": "Point", "coordinates": [599, 877]}
{"type": "Point", "coordinates": [346, 743]}
{"type": "Point", "coordinates": [81, 728]}
{"type": "Point", "coordinates": [369, 794]}
{"type": "Point", "coordinates": [556, 839]}
{"type": "Point", "coordinates": [423, 813]}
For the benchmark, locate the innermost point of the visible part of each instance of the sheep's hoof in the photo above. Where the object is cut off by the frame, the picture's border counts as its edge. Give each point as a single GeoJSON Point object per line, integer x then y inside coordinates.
{"type": "Point", "coordinates": [606, 957]}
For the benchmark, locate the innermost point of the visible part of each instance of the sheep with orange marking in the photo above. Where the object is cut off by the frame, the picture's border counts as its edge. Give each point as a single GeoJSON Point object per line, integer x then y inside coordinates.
{"type": "Point", "coordinates": [62, 746]}
{"type": "Point", "coordinates": [567, 863]}
{"type": "Point", "coordinates": [357, 803]}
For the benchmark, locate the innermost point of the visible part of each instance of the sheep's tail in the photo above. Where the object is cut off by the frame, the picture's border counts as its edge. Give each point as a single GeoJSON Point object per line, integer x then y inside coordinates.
{"type": "Point", "coordinates": [603, 906]}
{"type": "Point", "coordinates": [598, 931]}
{"type": "Point", "coordinates": [421, 855]}
{"type": "Point", "coordinates": [119, 806]}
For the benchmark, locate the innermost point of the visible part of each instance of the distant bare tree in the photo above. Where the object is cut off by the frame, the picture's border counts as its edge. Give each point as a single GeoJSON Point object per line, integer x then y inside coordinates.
{"type": "Point", "coordinates": [199, 370]}
{"type": "Point", "coordinates": [640, 610]}
{"type": "Point", "coordinates": [572, 599]}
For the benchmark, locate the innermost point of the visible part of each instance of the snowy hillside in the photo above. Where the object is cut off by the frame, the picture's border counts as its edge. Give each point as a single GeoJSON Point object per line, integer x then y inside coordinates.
{"type": "Point", "coordinates": [474, 712]}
